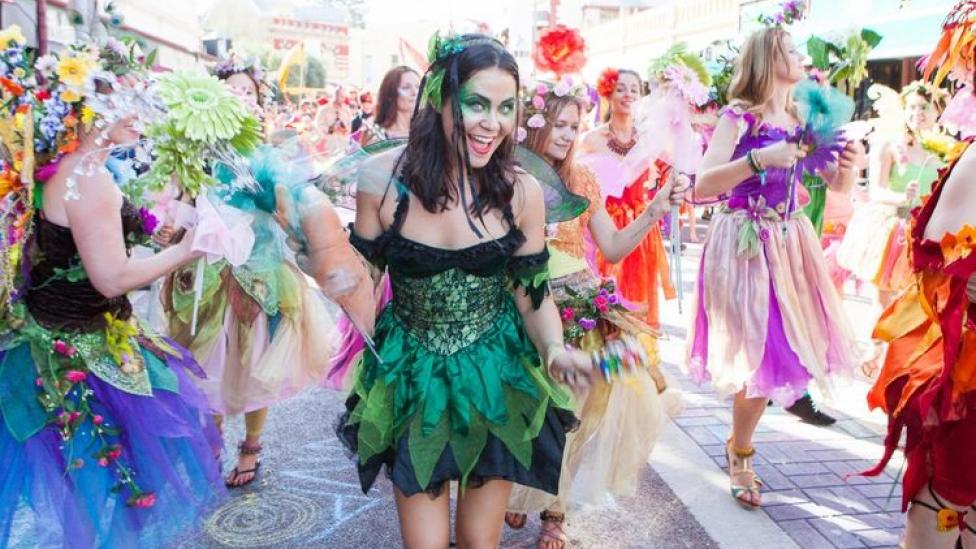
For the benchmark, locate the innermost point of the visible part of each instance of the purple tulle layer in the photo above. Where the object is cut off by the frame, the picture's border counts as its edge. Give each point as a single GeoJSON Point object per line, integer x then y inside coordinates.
{"type": "Point", "coordinates": [168, 441]}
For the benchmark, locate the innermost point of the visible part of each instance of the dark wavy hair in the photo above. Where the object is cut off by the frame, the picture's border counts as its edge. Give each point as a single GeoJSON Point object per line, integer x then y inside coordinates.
{"type": "Point", "coordinates": [386, 104]}
{"type": "Point", "coordinates": [426, 165]}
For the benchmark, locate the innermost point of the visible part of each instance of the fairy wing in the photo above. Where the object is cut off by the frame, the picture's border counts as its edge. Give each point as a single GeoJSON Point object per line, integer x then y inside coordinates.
{"type": "Point", "coordinates": [561, 204]}
{"type": "Point", "coordinates": [370, 169]}
{"type": "Point", "coordinates": [890, 122]}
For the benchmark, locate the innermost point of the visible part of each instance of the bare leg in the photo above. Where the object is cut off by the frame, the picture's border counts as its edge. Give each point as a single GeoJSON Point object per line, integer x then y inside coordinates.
{"type": "Point", "coordinates": [425, 522]}
{"type": "Point", "coordinates": [746, 413]}
{"type": "Point", "coordinates": [921, 531]}
{"type": "Point", "coordinates": [480, 514]}
{"type": "Point", "coordinates": [247, 457]}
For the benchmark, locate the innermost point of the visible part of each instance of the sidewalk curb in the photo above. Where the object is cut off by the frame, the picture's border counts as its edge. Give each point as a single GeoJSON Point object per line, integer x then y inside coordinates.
{"type": "Point", "coordinates": [703, 488]}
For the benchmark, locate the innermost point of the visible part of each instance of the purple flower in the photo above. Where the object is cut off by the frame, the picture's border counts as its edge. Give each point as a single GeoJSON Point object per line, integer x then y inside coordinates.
{"type": "Point", "coordinates": [613, 299]}
{"type": "Point", "coordinates": [587, 323]}
{"type": "Point", "coordinates": [764, 234]}
{"type": "Point", "coordinates": [149, 221]}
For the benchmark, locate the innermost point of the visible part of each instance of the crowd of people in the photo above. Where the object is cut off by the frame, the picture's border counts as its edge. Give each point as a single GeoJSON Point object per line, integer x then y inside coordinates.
{"type": "Point", "coordinates": [499, 288]}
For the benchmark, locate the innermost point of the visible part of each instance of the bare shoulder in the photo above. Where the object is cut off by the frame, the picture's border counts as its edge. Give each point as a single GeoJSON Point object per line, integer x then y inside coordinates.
{"type": "Point", "coordinates": [594, 139]}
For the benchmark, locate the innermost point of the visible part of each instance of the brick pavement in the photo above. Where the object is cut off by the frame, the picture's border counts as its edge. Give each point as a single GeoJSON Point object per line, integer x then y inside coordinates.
{"type": "Point", "coordinates": [807, 491]}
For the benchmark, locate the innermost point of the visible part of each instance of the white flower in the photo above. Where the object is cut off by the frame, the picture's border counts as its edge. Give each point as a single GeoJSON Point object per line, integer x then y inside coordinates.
{"type": "Point", "coordinates": [562, 88]}
{"type": "Point", "coordinates": [536, 121]}
{"type": "Point", "coordinates": [521, 134]}
{"type": "Point", "coordinates": [46, 64]}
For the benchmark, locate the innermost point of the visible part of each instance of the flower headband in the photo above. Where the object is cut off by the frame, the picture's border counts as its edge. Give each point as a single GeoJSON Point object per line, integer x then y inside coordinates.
{"type": "Point", "coordinates": [535, 101]}
{"type": "Point", "coordinates": [607, 83]}
{"type": "Point", "coordinates": [236, 64]}
{"type": "Point", "coordinates": [78, 88]}
{"type": "Point", "coordinates": [791, 11]}
{"type": "Point", "coordinates": [440, 50]}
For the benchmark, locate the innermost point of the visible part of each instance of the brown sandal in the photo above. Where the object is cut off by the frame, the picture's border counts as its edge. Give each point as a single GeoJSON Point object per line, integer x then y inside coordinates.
{"type": "Point", "coordinates": [553, 534]}
{"type": "Point", "coordinates": [516, 521]}
{"type": "Point", "coordinates": [245, 448]}
{"type": "Point", "coordinates": [746, 493]}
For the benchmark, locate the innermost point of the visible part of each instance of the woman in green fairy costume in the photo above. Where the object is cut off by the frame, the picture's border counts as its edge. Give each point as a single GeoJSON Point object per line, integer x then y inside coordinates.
{"type": "Point", "coordinates": [457, 390]}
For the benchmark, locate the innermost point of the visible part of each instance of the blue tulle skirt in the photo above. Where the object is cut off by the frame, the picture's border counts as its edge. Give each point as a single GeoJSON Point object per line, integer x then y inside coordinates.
{"type": "Point", "coordinates": [69, 498]}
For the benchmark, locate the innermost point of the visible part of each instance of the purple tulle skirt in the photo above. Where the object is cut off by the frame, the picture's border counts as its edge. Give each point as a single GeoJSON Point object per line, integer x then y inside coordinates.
{"type": "Point", "coordinates": [65, 498]}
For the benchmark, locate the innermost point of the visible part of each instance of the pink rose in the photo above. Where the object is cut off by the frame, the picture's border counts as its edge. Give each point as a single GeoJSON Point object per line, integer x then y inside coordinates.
{"type": "Point", "coordinates": [73, 417]}
{"type": "Point", "coordinates": [39, 382]}
{"type": "Point", "coordinates": [62, 348]}
{"type": "Point", "coordinates": [600, 301]}
{"type": "Point", "coordinates": [568, 314]}
{"type": "Point", "coordinates": [115, 453]}
{"type": "Point", "coordinates": [541, 89]}
{"type": "Point", "coordinates": [103, 462]}
{"type": "Point", "coordinates": [539, 102]}
{"type": "Point", "coordinates": [75, 376]}
{"type": "Point", "coordinates": [97, 419]}
{"type": "Point", "coordinates": [521, 134]}
{"type": "Point", "coordinates": [536, 121]}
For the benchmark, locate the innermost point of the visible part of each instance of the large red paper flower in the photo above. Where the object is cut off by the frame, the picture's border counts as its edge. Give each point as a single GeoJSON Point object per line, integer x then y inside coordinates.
{"type": "Point", "coordinates": [607, 83]}
{"type": "Point", "coordinates": [560, 49]}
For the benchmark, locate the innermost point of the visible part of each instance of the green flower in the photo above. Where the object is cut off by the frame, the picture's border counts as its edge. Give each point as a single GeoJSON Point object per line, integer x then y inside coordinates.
{"type": "Point", "coordinates": [201, 107]}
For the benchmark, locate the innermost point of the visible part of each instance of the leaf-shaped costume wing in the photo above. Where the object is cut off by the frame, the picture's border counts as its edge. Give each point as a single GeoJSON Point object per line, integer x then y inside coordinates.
{"type": "Point", "coordinates": [561, 204]}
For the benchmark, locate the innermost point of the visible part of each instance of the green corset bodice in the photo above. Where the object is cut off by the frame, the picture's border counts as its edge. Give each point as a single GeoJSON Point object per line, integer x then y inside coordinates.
{"type": "Point", "coordinates": [450, 310]}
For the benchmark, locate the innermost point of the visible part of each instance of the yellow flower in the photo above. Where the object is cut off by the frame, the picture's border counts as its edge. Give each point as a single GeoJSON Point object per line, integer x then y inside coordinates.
{"type": "Point", "coordinates": [70, 96]}
{"type": "Point", "coordinates": [19, 72]}
{"type": "Point", "coordinates": [19, 121]}
{"type": "Point", "coordinates": [87, 116]}
{"type": "Point", "coordinates": [73, 70]}
{"type": "Point", "coordinates": [12, 34]}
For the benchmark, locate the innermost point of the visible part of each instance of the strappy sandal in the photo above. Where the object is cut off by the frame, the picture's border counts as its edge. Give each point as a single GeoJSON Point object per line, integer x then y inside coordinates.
{"type": "Point", "coordinates": [245, 448]}
{"type": "Point", "coordinates": [516, 521]}
{"type": "Point", "coordinates": [553, 537]}
{"type": "Point", "coordinates": [746, 494]}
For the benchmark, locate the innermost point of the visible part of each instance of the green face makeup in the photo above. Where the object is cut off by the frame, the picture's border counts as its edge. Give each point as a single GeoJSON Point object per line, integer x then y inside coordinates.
{"type": "Point", "coordinates": [474, 104]}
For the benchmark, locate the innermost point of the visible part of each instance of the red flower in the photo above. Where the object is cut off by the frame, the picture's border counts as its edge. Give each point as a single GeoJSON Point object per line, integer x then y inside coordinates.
{"type": "Point", "coordinates": [568, 314]}
{"type": "Point", "coordinates": [143, 501]}
{"type": "Point", "coordinates": [97, 419]}
{"type": "Point", "coordinates": [607, 83]}
{"type": "Point", "coordinates": [75, 376]}
{"type": "Point", "coordinates": [560, 50]}
{"type": "Point", "coordinates": [115, 453]}
{"type": "Point", "coordinates": [12, 87]}
{"type": "Point", "coordinates": [42, 95]}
